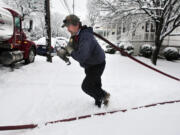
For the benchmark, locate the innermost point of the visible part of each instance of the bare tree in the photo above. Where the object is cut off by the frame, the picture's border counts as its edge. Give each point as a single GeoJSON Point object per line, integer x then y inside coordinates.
{"type": "Point", "coordinates": [57, 21]}
{"type": "Point", "coordinates": [93, 13]}
{"type": "Point", "coordinates": [26, 7]}
{"type": "Point", "coordinates": [30, 10]}
{"type": "Point", "coordinates": [164, 13]}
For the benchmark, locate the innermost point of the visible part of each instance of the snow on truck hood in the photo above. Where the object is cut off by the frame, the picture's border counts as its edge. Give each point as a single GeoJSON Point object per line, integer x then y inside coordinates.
{"type": "Point", "coordinates": [6, 24]}
{"type": "Point", "coordinates": [4, 5]}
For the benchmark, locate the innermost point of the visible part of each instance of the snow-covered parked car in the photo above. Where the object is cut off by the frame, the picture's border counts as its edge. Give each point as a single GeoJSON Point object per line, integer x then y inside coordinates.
{"type": "Point", "coordinates": [41, 48]}
{"type": "Point", "coordinates": [110, 50]}
{"type": "Point", "coordinates": [61, 41]}
{"type": "Point", "coordinates": [106, 47]}
{"type": "Point", "coordinates": [55, 42]}
{"type": "Point", "coordinates": [102, 44]}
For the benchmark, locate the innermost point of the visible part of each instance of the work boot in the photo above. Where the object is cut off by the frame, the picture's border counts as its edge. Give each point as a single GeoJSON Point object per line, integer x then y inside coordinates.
{"type": "Point", "coordinates": [105, 99]}
{"type": "Point", "coordinates": [98, 103]}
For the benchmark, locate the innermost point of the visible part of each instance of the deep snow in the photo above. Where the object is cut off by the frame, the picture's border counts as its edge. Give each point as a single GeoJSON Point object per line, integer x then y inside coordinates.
{"type": "Point", "coordinates": [43, 91]}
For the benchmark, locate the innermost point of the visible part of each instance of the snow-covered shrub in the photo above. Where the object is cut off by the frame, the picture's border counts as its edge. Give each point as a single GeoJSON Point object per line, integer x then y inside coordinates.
{"type": "Point", "coordinates": [146, 50]}
{"type": "Point", "coordinates": [126, 47]}
{"type": "Point", "coordinates": [171, 53]}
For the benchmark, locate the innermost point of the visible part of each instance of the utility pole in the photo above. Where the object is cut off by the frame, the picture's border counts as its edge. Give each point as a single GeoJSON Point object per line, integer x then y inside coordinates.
{"type": "Point", "coordinates": [73, 6]}
{"type": "Point", "coordinates": [48, 29]}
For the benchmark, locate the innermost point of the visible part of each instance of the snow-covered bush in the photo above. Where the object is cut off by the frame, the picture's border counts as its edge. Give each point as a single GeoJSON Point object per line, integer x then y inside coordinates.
{"type": "Point", "coordinates": [146, 50]}
{"type": "Point", "coordinates": [171, 53]}
{"type": "Point", "coordinates": [126, 47]}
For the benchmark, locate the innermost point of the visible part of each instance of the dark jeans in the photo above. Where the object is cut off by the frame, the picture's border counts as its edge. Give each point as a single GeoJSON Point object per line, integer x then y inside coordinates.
{"type": "Point", "coordinates": [92, 82]}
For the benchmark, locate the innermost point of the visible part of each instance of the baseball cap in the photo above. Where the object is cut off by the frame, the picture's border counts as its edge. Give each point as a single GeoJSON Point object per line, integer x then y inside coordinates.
{"type": "Point", "coordinates": [70, 19]}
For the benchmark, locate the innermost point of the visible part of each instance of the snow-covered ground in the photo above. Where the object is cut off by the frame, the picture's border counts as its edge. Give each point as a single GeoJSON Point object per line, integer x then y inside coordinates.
{"type": "Point", "coordinates": [42, 92]}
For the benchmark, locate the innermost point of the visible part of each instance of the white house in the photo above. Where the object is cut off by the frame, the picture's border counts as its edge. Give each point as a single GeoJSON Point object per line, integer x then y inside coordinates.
{"type": "Point", "coordinates": [137, 32]}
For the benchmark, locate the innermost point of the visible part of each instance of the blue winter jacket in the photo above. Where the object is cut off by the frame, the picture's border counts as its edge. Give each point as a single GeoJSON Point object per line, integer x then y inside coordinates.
{"type": "Point", "coordinates": [88, 52]}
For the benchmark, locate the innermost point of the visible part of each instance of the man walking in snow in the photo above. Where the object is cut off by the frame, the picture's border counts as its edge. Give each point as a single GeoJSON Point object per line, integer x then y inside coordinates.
{"type": "Point", "coordinates": [84, 48]}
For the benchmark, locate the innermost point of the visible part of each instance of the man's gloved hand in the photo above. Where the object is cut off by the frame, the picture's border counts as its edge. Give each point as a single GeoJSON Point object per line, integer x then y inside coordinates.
{"type": "Point", "coordinates": [69, 49]}
{"type": "Point", "coordinates": [62, 53]}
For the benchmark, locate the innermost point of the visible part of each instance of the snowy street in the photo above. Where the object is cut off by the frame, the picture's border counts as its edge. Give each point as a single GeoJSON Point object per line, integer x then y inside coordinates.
{"type": "Point", "coordinates": [130, 47]}
{"type": "Point", "coordinates": [42, 92]}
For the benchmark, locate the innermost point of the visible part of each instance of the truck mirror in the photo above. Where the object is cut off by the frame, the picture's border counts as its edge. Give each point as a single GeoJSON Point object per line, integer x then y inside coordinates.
{"type": "Point", "coordinates": [30, 25]}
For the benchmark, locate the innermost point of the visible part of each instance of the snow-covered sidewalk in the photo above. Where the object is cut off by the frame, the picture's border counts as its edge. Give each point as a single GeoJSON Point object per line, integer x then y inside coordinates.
{"type": "Point", "coordinates": [43, 92]}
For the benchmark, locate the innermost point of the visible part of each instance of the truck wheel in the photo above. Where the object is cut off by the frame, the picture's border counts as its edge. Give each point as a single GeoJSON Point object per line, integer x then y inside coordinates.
{"type": "Point", "coordinates": [31, 56]}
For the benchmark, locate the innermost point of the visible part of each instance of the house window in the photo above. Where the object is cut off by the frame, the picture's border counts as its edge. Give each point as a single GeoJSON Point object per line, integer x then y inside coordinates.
{"type": "Point", "coordinates": [146, 36]}
{"type": "Point", "coordinates": [152, 27]}
{"type": "Point", "coordinates": [124, 29]}
{"type": "Point", "coordinates": [119, 31]}
{"type": "Point", "coordinates": [133, 33]}
{"type": "Point", "coordinates": [147, 29]}
{"type": "Point", "coordinates": [152, 37]}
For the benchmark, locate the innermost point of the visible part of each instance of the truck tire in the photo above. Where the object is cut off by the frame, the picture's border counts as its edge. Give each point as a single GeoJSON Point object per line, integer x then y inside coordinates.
{"type": "Point", "coordinates": [31, 56]}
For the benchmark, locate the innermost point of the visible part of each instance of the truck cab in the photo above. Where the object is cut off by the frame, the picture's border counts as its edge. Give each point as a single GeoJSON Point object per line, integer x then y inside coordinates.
{"type": "Point", "coordinates": [14, 46]}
